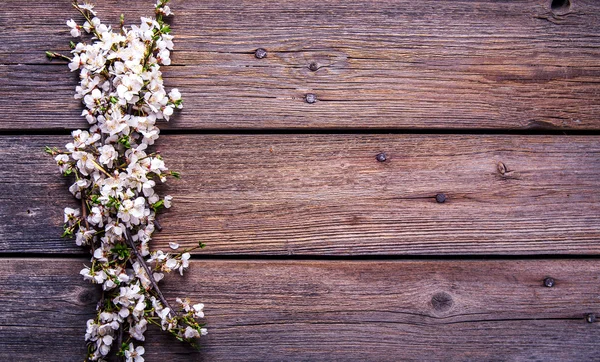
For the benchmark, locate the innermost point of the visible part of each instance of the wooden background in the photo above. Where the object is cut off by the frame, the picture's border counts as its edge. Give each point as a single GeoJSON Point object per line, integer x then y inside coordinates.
{"type": "Point", "coordinates": [315, 250]}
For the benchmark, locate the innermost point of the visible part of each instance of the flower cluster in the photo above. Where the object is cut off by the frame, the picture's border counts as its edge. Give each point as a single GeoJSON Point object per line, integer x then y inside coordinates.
{"type": "Point", "coordinates": [122, 91]}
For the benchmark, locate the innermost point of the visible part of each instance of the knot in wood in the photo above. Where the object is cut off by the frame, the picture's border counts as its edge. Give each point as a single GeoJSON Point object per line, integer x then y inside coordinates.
{"type": "Point", "coordinates": [310, 98]}
{"type": "Point", "coordinates": [260, 53]}
{"type": "Point", "coordinates": [560, 5]}
{"type": "Point", "coordinates": [442, 301]}
{"type": "Point", "coordinates": [88, 296]}
{"type": "Point", "coordinates": [313, 67]}
{"type": "Point", "coordinates": [501, 168]}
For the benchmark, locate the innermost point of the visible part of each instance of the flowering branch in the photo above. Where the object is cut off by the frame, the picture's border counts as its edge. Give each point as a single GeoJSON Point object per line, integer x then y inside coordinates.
{"type": "Point", "coordinates": [122, 90]}
{"type": "Point", "coordinates": [142, 262]}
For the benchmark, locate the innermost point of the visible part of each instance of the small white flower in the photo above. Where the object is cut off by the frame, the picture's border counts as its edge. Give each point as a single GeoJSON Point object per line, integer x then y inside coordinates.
{"type": "Point", "coordinates": [171, 264]}
{"type": "Point", "coordinates": [185, 262]}
{"type": "Point", "coordinates": [71, 215]}
{"type": "Point", "coordinates": [95, 217]}
{"type": "Point", "coordinates": [191, 333]}
{"type": "Point", "coordinates": [124, 312]}
{"type": "Point", "coordinates": [134, 355]}
{"type": "Point", "coordinates": [107, 155]}
{"type": "Point", "coordinates": [198, 310]}
{"type": "Point", "coordinates": [75, 32]}
{"type": "Point", "coordinates": [167, 112]}
{"type": "Point", "coordinates": [175, 95]}
{"type": "Point", "coordinates": [62, 162]}
{"type": "Point", "coordinates": [88, 7]}
{"type": "Point", "coordinates": [167, 201]}
{"type": "Point", "coordinates": [173, 245]}
{"type": "Point", "coordinates": [158, 277]}
{"type": "Point", "coordinates": [137, 330]}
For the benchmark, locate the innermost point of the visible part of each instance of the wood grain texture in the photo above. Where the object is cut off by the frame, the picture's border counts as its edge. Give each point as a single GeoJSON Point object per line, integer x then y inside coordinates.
{"type": "Point", "coordinates": [379, 64]}
{"type": "Point", "coordinates": [301, 310]}
{"type": "Point", "coordinates": [328, 195]}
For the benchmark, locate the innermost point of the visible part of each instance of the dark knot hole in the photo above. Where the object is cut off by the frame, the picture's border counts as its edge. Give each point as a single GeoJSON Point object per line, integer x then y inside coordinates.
{"type": "Point", "coordinates": [560, 4]}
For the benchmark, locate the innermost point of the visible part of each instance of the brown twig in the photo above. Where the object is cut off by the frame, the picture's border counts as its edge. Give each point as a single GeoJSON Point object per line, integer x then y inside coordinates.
{"type": "Point", "coordinates": [84, 210]}
{"type": "Point", "coordinates": [120, 341]}
{"type": "Point", "coordinates": [150, 276]}
{"type": "Point", "coordinates": [157, 225]}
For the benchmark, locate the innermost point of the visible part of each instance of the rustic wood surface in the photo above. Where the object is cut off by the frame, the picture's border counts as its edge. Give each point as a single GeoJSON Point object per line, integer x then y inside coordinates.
{"type": "Point", "coordinates": [399, 64]}
{"type": "Point", "coordinates": [328, 195]}
{"type": "Point", "coordinates": [267, 175]}
{"type": "Point", "coordinates": [295, 310]}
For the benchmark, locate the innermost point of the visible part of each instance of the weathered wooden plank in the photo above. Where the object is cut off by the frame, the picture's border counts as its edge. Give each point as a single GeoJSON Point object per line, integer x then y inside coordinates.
{"type": "Point", "coordinates": [328, 195]}
{"type": "Point", "coordinates": [379, 64]}
{"type": "Point", "coordinates": [315, 310]}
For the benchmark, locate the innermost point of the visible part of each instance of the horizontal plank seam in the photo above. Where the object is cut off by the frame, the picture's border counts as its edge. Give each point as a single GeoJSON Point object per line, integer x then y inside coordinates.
{"type": "Point", "coordinates": [366, 258]}
{"type": "Point", "coordinates": [332, 131]}
{"type": "Point", "coordinates": [497, 320]}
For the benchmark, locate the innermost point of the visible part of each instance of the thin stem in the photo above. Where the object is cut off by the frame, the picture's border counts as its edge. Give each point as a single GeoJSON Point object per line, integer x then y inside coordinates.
{"type": "Point", "coordinates": [87, 17]}
{"type": "Point", "coordinates": [84, 210]}
{"type": "Point", "coordinates": [120, 340]}
{"type": "Point", "coordinates": [157, 225]}
{"type": "Point", "coordinates": [54, 55]}
{"type": "Point", "coordinates": [100, 168]}
{"type": "Point", "coordinates": [143, 263]}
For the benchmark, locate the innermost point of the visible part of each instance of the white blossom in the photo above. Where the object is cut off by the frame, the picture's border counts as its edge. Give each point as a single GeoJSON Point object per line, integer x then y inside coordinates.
{"type": "Point", "coordinates": [71, 214]}
{"type": "Point", "coordinates": [134, 355]}
{"type": "Point", "coordinates": [107, 155]}
{"type": "Point", "coordinates": [191, 333]}
{"type": "Point", "coordinates": [75, 32]}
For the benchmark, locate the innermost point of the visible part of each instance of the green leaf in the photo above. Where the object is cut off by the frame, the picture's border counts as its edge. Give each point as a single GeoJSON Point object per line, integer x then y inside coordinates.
{"type": "Point", "coordinates": [68, 232]}
{"type": "Point", "coordinates": [122, 251]}
{"type": "Point", "coordinates": [176, 174]}
{"type": "Point", "coordinates": [158, 205]}
{"type": "Point", "coordinates": [124, 140]}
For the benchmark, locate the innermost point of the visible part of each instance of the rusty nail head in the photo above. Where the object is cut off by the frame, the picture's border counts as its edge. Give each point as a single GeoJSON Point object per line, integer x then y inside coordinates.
{"type": "Point", "coordinates": [313, 66]}
{"type": "Point", "coordinates": [440, 198]}
{"type": "Point", "coordinates": [381, 157]}
{"type": "Point", "coordinates": [311, 98]}
{"type": "Point", "coordinates": [590, 318]}
{"type": "Point", "coordinates": [549, 282]}
{"type": "Point", "coordinates": [260, 53]}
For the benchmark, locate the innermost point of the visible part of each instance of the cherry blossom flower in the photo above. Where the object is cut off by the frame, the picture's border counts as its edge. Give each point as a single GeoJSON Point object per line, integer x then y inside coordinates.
{"type": "Point", "coordinates": [134, 355]}
{"type": "Point", "coordinates": [75, 32]}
